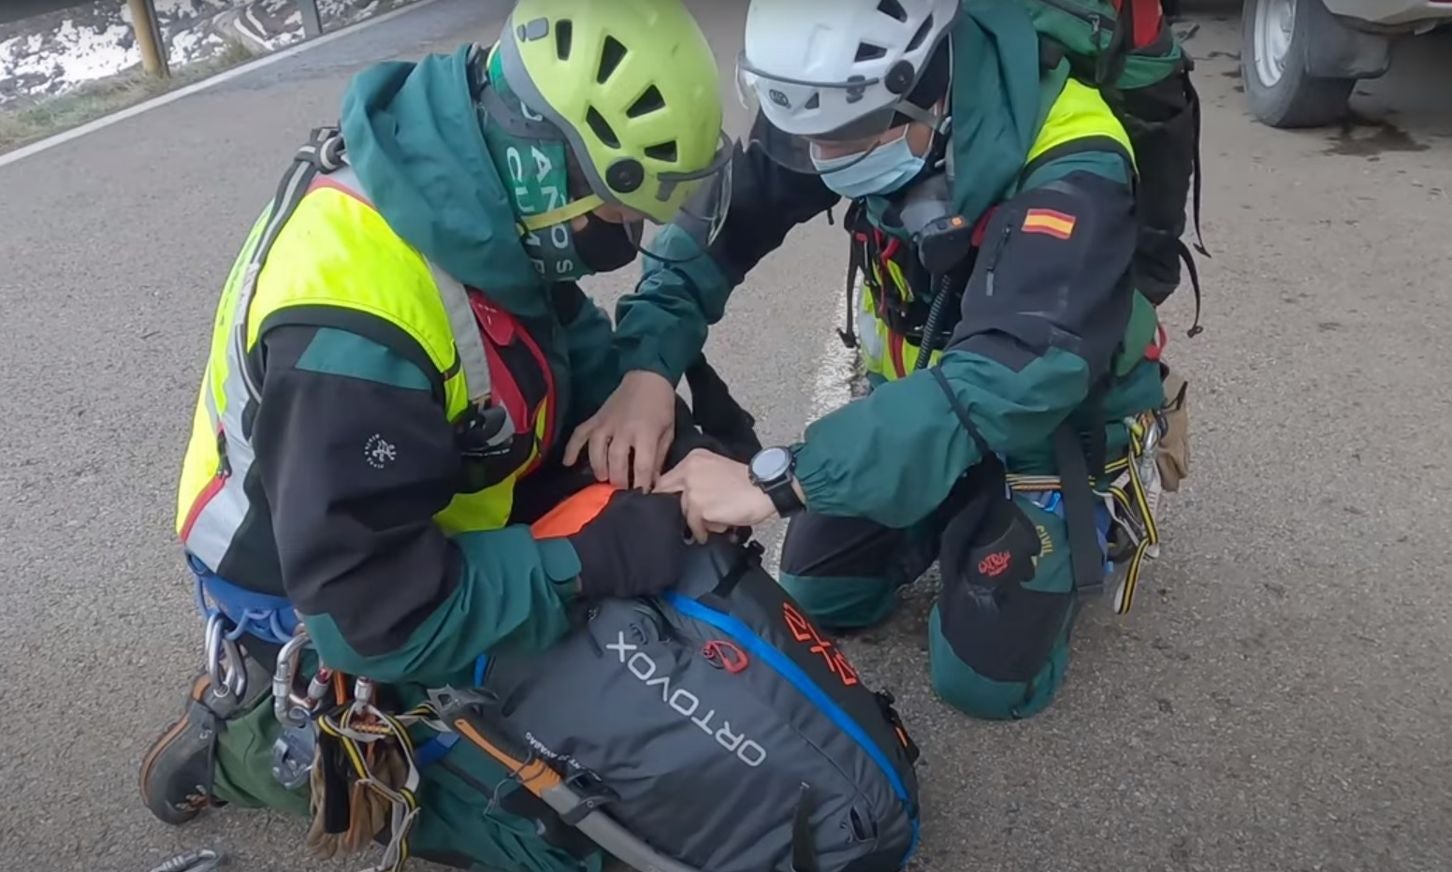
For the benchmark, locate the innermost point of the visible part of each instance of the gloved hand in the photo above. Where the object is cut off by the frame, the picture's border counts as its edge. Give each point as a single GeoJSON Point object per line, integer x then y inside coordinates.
{"type": "Point", "coordinates": [635, 547]}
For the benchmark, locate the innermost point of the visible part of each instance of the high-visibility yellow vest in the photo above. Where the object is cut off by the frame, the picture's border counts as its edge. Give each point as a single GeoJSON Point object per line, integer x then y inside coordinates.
{"type": "Point", "coordinates": [326, 248]}
{"type": "Point", "coordinates": [1078, 113]}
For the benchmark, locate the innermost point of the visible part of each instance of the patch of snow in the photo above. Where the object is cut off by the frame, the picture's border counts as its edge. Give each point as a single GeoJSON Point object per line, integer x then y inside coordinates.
{"type": "Point", "coordinates": [72, 55]}
{"type": "Point", "coordinates": [286, 38]}
{"type": "Point", "coordinates": [64, 49]}
{"type": "Point", "coordinates": [189, 46]}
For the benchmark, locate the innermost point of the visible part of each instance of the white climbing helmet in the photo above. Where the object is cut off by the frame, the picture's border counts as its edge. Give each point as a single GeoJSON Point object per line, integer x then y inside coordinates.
{"type": "Point", "coordinates": [838, 70]}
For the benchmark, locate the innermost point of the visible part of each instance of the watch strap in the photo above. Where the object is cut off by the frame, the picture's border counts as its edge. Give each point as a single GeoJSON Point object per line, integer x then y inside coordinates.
{"type": "Point", "coordinates": [784, 496]}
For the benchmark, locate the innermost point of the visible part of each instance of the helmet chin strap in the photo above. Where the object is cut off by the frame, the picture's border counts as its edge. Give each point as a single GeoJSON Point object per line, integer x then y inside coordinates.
{"type": "Point", "coordinates": [568, 212]}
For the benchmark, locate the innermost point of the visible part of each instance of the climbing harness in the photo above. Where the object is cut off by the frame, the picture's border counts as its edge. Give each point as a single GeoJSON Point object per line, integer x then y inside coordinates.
{"type": "Point", "coordinates": [1131, 500]}
{"type": "Point", "coordinates": [228, 613]}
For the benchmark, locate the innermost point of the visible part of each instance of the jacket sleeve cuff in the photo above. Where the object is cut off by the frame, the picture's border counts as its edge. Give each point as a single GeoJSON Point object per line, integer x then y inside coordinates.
{"type": "Point", "coordinates": [648, 359]}
{"type": "Point", "coordinates": [820, 481]}
{"type": "Point", "coordinates": [561, 566]}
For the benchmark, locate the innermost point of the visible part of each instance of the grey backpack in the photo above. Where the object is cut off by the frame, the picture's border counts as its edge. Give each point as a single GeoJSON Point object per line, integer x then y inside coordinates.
{"type": "Point", "coordinates": [715, 728]}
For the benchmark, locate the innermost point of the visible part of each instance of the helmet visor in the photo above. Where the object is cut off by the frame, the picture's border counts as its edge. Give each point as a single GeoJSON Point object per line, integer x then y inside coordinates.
{"type": "Point", "coordinates": [701, 217]}
{"type": "Point", "coordinates": [706, 194]}
{"type": "Point", "coordinates": [823, 147]}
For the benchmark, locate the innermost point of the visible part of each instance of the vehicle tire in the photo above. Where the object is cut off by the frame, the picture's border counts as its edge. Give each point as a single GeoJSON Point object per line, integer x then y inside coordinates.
{"type": "Point", "coordinates": [1275, 39]}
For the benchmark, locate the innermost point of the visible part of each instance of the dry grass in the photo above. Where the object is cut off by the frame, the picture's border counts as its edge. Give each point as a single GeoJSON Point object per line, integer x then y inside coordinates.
{"type": "Point", "coordinates": [32, 120]}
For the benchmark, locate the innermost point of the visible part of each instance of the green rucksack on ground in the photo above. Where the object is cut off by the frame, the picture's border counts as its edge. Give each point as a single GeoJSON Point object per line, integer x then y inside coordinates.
{"type": "Point", "coordinates": [1127, 50]}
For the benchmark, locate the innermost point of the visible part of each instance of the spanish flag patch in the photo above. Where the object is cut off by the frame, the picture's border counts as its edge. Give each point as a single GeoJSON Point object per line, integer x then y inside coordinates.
{"type": "Point", "coordinates": [1049, 223]}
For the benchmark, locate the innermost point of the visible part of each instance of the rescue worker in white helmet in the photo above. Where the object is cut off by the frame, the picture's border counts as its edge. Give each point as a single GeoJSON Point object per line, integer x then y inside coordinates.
{"type": "Point", "coordinates": [396, 359]}
{"type": "Point", "coordinates": [979, 175]}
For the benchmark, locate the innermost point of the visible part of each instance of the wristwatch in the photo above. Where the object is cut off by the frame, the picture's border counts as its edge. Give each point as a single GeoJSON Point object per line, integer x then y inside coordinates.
{"type": "Point", "coordinates": [771, 470]}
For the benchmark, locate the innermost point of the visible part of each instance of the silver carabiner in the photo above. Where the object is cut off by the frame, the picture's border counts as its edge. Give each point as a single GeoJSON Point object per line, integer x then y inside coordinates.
{"type": "Point", "coordinates": [1152, 436]}
{"type": "Point", "coordinates": [234, 668]}
{"type": "Point", "coordinates": [290, 707]}
{"type": "Point", "coordinates": [204, 860]}
{"type": "Point", "coordinates": [212, 644]}
{"type": "Point", "coordinates": [225, 666]}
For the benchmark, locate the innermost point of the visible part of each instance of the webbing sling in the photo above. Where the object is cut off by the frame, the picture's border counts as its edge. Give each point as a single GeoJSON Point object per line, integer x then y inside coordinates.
{"type": "Point", "coordinates": [1079, 503]}
{"type": "Point", "coordinates": [999, 473]}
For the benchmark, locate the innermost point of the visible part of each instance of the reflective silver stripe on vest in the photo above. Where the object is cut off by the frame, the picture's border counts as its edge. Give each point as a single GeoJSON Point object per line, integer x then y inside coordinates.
{"type": "Point", "coordinates": [469, 348]}
{"type": "Point", "coordinates": [216, 525]}
{"type": "Point", "coordinates": [468, 344]}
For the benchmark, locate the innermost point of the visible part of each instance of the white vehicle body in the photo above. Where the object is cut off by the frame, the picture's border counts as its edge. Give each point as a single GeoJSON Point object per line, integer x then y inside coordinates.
{"type": "Point", "coordinates": [1301, 58]}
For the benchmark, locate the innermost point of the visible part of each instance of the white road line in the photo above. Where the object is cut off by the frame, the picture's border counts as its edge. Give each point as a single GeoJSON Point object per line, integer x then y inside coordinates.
{"type": "Point", "coordinates": [832, 383]}
{"type": "Point", "coordinates": [831, 389]}
{"type": "Point", "coordinates": [197, 87]}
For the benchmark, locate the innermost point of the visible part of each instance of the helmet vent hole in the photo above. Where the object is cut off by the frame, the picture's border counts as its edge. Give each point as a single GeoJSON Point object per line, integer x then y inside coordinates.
{"type": "Point", "coordinates": [564, 35]}
{"type": "Point", "coordinates": [814, 101]}
{"type": "Point", "coordinates": [893, 9]}
{"type": "Point", "coordinates": [666, 151]}
{"type": "Point", "coordinates": [611, 54]}
{"type": "Point", "coordinates": [921, 35]}
{"type": "Point", "coordinates": [650, 101]}
{"type": "Point", "coordinates": [869, 52]}
{"type": "Point", "coordinates": [601, 127]}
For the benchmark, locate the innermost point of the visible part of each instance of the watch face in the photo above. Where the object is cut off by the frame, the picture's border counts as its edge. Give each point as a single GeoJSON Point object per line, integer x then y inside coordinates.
{"type": "Point", "coordinates": [771, 464]}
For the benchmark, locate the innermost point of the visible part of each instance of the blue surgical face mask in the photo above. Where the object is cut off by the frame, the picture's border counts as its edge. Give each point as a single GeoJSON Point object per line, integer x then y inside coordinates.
{"type": "Point", "coordinates": [881, 171]}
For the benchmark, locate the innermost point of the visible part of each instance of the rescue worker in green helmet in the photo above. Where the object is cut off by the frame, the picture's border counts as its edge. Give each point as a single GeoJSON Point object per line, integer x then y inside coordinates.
{"type": "Point", "coordinates": [396, 358]}
{"type": "Point", "coordinates": [970, 160]}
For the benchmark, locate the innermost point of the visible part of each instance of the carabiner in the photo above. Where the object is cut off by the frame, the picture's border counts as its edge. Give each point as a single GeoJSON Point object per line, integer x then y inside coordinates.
{"type": "Point", "coordinates": [204, 860]}
{"type": "Point", "coordinates": [290, 707]}
{"type": "Point", "coordinates": [225, 666]}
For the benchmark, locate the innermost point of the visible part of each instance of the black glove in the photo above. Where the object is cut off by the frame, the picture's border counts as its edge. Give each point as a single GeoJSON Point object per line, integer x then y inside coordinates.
{"type": "Point", "coordinates": [635, 547]}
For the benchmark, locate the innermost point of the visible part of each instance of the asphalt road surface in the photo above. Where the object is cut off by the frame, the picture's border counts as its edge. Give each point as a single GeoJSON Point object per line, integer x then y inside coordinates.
{"type": "Point", "coordinates": [1277, 701]}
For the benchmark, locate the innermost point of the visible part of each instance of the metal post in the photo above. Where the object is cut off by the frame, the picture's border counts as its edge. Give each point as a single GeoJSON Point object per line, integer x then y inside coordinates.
{"type": "Point", "coordinates": [312, 22]}
{"type": "Point", "coordinates": [148, 38]}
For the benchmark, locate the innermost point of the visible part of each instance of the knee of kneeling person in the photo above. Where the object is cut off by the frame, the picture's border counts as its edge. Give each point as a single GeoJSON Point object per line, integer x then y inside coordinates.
{"type": "Point", "coordinates": [998, 698]}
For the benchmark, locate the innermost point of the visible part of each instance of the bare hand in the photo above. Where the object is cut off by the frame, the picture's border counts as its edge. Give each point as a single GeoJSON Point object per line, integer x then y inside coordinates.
{"type": "Point", "coordinates": [716, 494]}
{"type": "Point", "coordinates": [639, 419]}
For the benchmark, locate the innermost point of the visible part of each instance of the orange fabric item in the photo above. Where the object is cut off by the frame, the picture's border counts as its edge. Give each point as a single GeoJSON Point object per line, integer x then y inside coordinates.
{"type": "Point", "coordinates": [571, 516]}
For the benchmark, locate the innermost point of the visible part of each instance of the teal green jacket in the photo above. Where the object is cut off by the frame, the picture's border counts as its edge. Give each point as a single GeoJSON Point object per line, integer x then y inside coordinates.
{"type": "Point", "coordinates": [414, 136]}
{"type": "Point", "coordinates": [383, 590]}
{"type": "Point", "coordinates": [1045, 315]}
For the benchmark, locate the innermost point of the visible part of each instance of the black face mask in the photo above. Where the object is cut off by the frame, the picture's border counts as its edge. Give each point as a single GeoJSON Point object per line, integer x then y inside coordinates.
{"type": "Point", "coordinates": [604, 246]}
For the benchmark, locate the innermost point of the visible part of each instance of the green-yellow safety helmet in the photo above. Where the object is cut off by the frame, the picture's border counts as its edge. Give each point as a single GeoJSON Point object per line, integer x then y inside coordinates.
{"type": "Point", "coordinates": [634, 88]}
